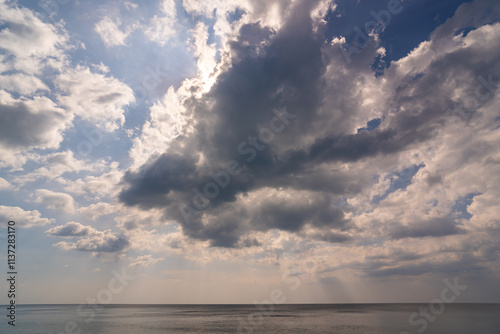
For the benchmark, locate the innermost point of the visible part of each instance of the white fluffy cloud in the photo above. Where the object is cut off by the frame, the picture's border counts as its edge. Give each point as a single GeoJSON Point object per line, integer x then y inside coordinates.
{"type": "Point", "coordinates": [55, 165]}
{"type": "Point", "coordinates": [22, 84]}
{"type": "Point", "coordinates": [55, 201]}
{"type": "Point", "coordinates": [162, 27]}
{"type": "Point", "coordinates": [110, 32]}
{"type": "Point", "coordinates": [31, 117]}
{"type": "Point", "coordinates": [22, 217]}
{"type": "Point", "coordinates": [105, 184]}
{"type": "Point", "coordinates": [94, 97]}
{"type": "Point", "coordinates": [29, 39]}
{"type": "Point", "coordinates": [165, 123]}
{"type": "Point", "coordinates": [94, 211]}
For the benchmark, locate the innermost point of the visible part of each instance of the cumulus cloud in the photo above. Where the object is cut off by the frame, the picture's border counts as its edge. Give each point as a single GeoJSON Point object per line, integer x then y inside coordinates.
{"type": "Point", "coordinates": [107, 243]}
{"type": "Point", "coordinates": [71, 229]}
{"type": "Point", "coordinates": [22, 217]}
{"type": "Point", "coordinates": [162, 27]}
{"type": "Point", "coordinates": [36, 108]}
{"type": "Point", "coordinates": [55, 165]}
{"type": "Point", "coordinates": [28, 124]}
{"type": "Point", "coordinates": [29, 39]}
{"type": "Point", "coordinates": [165, 123]}
{"type": "Point", "coordinates": [352, 156]}
{"type": "Point", "coordinates": [94, 97]}
{"type": "Point", "coordinates": [89, 239]}
{"type": "Point", "coordinates": [276, 149]}
{"type": "Point", "coordinates": [94, 211]}
{"type": "Point", "coordinates": [55, 201]}
{"type": "Point", "coordinates": [437, 227]}
{"type": "Point", "coordinates": [104, 184]}
{"type": "Point", "coordinates": [272, 79]}
{"type": "Point", "coordinates": [22, 83]}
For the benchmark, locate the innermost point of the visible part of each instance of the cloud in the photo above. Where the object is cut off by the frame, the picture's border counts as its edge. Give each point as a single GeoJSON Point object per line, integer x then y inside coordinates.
{"type": "Point", "coordinates": [94, 211]}
{"type": "Point", "coordinates": [437, 227]}
{"type": "Point", "coordinates": [144, 261]}
{"type": "Point", "coordinates": [28, 124]}
{"type": "Point", "coordinates": [285, 71]}
{"type": "Point", "coordinates": [36, 108]}
{"type": "Point", "coordinates": [104, 184]}
{"type": "Point", "coordinates": [110, 32]}
{"type": "Point", "coordinates": [55, 165]}
{"type": "Point", "coordinates": [29, 39]}
{"type": "Point", "coordinates": [169, 172]}
{"type": "Point", "coordinates": [130, 5]}
{"type": "Point", "coordinates": [331, 170]}
{"type": "Point", "coordinates": [31, 123]}
{"type": "Point", "coordinates": [22, 84]}
{"type": "Point", "coordinates": [71, 229]}
{"type": "Point", "coordinates": [4, 184]}
{"type": "Point", "coordinates": [90, 239]}
{"type": "Point", "coordinates": [162, 27]}
{"type": "Point", "coordinates": [23, 218]}
{"type": "Point", "coordinates": [205, 55]}
{"type": "Point", "coordinates": [166, 121]}
{"type": "Point", "coordinates": [107, 243]}
{"type": "Point", "coordinates": [94, 96]}
{"type": "Point", "coordinates": [55, 201]}
{"type": "Point", "coordinates": [367, 167]}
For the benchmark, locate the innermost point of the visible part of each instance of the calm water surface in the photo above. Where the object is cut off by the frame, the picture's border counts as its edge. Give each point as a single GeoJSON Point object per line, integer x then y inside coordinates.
{"type": "Point", "coordinates": [290, 319]}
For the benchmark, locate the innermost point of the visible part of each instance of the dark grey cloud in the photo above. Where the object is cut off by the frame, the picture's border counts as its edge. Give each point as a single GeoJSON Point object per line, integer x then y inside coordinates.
{"type": "Point", "coordinates": [332, 237]}
{"type": "Point", "coordinates": [108, 98]}
{"type": "Point", "coordinates": [408, 264]}
{"type": "Point", "coordinates": [23, 127]}
{"type": "Point", "coordinates": [284, 73]}
{"type": "Point", "coordinates": [292, 216]}
{"type": "Point", "coordinates": [170, 172]}
{"type": "Point", "coordinates": [436, 227]}
{"type": "Point", "coordinates": [433, 179]}
{"type": "Point", "coordinates": [463, 267]}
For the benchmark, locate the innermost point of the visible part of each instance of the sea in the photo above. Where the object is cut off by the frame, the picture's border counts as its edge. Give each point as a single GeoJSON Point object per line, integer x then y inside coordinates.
{"type": "Point", "coordinates": [263, 319]}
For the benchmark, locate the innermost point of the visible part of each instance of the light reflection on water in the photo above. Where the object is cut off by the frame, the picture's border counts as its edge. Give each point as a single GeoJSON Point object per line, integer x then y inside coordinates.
{"type": "Point", "coordinates": [290, 319]}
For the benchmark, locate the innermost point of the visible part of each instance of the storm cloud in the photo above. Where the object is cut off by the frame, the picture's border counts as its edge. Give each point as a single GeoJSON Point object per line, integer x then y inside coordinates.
{"type": "Point", "coordinates": [267, 124]}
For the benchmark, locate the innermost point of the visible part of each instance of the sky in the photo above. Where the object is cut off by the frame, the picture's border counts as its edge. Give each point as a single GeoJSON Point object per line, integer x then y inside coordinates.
{"type": "Point", "coordinates": [338, 151]}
